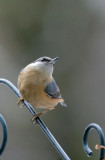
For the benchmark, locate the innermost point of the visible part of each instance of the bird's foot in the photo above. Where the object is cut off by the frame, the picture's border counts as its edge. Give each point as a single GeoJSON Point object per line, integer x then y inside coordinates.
{"type": "Point", "coordinates": [36, 115]}
{"type": "Point", "coordinates": [19, 102]}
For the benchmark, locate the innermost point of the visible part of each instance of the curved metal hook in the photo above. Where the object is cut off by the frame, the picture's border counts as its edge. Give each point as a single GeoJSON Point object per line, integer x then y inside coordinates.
{"type": "Point", "coordinates": [5, 135]}
{"type": "Point", "coordinates": [85, 139]}
{"type": "Point", "coordinates": [38, 120]}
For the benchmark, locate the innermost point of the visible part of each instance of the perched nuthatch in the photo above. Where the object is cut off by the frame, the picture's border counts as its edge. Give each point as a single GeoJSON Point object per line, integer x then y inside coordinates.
{"type": "Point", "coordinates": [38, 87]}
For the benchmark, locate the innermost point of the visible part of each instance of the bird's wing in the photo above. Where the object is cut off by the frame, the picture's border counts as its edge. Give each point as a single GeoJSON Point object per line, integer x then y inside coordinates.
{"type": "Point", "coordinates": [52, 90]}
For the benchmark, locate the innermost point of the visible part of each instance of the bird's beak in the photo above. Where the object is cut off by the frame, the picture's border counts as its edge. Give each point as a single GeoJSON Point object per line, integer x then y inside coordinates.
{"type": "Point", "coordinates": [54, 60]}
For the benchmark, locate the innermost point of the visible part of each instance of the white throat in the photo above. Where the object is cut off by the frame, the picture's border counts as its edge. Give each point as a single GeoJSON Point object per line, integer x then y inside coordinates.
{"type": "Point", "coordinates": [45, 68]}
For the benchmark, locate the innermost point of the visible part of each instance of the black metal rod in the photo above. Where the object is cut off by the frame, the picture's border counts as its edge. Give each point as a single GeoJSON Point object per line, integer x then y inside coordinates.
{"type": "Point", "coordinates": [101, 136]}
{"type": "Point", "coordinates": [38, 120]}
{"type": "Point", "coordinates": [5, 134]}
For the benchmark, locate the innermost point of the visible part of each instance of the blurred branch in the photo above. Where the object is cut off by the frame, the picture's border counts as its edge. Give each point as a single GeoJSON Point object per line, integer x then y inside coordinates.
{"type": "Point", "coordinates": [4, 128]}
{"type": "Point", "coordinates": [38, 120]}
{"type": "Point", "coordinates": [101, 136]}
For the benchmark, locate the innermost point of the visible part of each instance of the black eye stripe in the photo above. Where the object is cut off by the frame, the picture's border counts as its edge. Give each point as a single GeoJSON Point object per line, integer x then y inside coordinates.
{"type": "Point", "coordinates": [45, 60]}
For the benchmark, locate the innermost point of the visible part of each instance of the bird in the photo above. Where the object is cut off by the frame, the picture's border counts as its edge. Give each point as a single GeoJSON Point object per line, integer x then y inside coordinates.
{"type": "Point", "coordinates": [38, 87]}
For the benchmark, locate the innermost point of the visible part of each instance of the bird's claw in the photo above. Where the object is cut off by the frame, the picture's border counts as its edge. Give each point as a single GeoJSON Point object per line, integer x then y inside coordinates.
{"type": "Point", "coordinates": [20, 100]}
{"type": "Point", "coordinates": [35, 116]}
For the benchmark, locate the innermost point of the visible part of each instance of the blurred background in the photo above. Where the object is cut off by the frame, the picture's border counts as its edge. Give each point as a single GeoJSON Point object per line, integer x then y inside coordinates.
{"type": "Point", "coordinates": [75, 32]}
